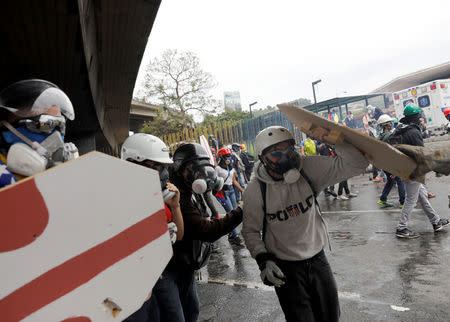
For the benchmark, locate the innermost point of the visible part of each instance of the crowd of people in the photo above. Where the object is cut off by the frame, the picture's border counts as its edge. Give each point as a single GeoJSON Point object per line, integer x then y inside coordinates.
{"type": "Point", "coordinates": [275, 198]}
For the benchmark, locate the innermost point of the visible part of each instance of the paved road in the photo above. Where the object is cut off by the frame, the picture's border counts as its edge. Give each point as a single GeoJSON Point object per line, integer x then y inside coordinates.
{"type": "Point", "coordinates": [380, 277]}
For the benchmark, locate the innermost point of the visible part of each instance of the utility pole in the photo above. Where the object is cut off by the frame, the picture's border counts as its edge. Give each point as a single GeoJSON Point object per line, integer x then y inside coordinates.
{"type": "Point", "coordinates": [314, 93]}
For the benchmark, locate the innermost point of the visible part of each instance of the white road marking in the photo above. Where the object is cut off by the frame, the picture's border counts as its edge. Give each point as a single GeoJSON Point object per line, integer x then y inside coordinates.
{"type": "Point", "coordinates": [399, 308]}
{"type": "Point", "coordinates": [363, 211]}
{"type": "Point", "coordinates": [261, 286]}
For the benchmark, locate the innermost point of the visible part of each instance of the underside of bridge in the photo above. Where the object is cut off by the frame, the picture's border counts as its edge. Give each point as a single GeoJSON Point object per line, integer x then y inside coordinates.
{"type": "Point", "coordinates": [91, 49]}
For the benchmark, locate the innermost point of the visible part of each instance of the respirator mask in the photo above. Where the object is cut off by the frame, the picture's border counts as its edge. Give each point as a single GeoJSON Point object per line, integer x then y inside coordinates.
{"type": "Point", "coordinates": [203, 178]}
{"type": "Point", "coordinates": [163, 171]}
{"type": "Point", "coordinates": [287, 164]}
{"type": "Point", "coordinates": [33, 152]}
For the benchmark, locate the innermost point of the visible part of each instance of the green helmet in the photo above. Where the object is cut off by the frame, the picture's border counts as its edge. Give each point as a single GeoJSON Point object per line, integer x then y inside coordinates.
{"type": "Point", "coordinates": [411, 109]}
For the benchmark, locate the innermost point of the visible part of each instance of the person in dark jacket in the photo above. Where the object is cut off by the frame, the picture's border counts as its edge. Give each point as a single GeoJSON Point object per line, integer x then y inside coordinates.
{"type": "Point", "coordinates": [191, 173]}
{"type": "Point", "coordinates": [409, 132]}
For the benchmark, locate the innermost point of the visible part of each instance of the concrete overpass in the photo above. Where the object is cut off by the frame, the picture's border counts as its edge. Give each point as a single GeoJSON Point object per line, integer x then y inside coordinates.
{"type": "Point", "coordinates": [91, 49]}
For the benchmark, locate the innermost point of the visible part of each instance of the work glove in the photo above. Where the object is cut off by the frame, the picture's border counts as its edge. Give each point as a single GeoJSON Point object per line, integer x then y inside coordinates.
{"type": "Point", "coordinates": [271, 274]}
{"type": "Point", "coordinates": [427, 159]}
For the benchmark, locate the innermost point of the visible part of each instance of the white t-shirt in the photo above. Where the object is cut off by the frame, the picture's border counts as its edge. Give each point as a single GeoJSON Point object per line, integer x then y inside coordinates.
{"type": "Point", "coordinates": [221, 172]}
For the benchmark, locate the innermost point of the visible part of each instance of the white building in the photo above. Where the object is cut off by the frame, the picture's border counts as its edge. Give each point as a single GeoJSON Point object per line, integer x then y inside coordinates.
{"type": "Point", "coordinates": [232, 101]}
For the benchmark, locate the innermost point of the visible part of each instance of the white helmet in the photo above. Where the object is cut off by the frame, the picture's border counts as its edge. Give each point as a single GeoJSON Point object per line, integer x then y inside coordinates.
{"type": "Point", "coordinates": [141, 146]}
{"type": "Point", "coordinates": [385, 118]}
{"type": "Point", "coordinates": [269, 136]}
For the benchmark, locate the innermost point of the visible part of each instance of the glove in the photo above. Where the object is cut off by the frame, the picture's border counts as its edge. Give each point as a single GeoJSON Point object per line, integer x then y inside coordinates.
{"type": "Point", "coordinates": [271, 274]}
{"type": "Point", "coordinates": [172, 231]}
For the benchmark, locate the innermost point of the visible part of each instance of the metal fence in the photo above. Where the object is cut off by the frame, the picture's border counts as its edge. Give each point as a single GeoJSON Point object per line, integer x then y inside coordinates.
{"type": "Point", "coordinates": [243, 132]}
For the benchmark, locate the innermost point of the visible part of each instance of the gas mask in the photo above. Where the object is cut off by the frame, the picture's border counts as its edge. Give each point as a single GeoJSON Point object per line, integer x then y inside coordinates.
{"type": "Point", "coordinates": [287, 164]}
{"type": "Point", "coordinates": [203, 178]}
{"type": "Point", "coordinates": [30, 152]}
{"type": "Point", "coordinates": [163, 171]}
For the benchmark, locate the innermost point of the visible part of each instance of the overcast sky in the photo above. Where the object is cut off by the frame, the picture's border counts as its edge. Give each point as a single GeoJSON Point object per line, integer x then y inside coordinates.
{"type": "Point", "coordinates": [271, 51]}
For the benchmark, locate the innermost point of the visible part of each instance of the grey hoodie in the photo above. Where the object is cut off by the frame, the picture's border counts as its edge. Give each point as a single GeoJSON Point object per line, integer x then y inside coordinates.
{"type": "Point", "coordinates": [295, 229]}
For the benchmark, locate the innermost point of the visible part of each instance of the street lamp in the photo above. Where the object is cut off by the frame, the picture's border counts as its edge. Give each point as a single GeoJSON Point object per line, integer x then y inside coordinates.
{"type": "Point", "coordinates": [314, 93]}
{"type": "Point", "coordinates": [250, 106]}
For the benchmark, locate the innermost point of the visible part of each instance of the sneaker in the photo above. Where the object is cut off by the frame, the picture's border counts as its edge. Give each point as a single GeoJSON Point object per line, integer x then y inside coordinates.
{"type": "Point", "coordinates": [400, 206]}
{"type": "Point", "coordinates": [385, 203]}
{"type": "Point", "coordinates": [240, 203]}
{"type": "Point", "coordinates": [235, 240]}
{"type": "Point", "coordinates": [406, 233]}
{"type": "Point", "coordinates": [342, 197]}
{"type": "Point", "coordinates": [430, 195]}
{"type": "Point", "coordinates": [351, 195]}
{"type": "Point", "coordinates": [441, 224]}
{"type": "Point", "coordinates": [377, 179]}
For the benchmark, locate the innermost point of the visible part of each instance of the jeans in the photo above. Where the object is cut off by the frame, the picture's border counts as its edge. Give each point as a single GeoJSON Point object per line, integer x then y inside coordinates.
{"type": "Point", "coordinates": [209, 201]}
{"type": "Point", "coordinates": [343, 185]}
{"type": "Point", "coordinates": [388, 186]}
{"type": "Point", "coordinates": [177, 296]}
{"type": "Point", "coordinates": [415, 191]}
{"type": "Point", "coordinates": [229, 203]}
{"type": "Point", "coordinates": [310, 292]}
{"type": "Point", "coordinates": [148, 312]}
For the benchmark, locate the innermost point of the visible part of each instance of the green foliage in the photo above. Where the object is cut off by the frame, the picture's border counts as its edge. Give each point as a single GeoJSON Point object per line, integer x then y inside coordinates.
{"type": "Point", "coordinates": [228, 115]}
{"type": "Point", "coordinates": [268, 109]}
{"type": "Point", "coordinates": [167, 121]}
{"type": "Point", "coordinates": [302, 102]}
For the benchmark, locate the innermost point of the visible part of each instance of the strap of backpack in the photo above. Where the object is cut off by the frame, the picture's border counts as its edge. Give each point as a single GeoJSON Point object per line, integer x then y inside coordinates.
{"type": "Point", "coordinates": [263, 186]}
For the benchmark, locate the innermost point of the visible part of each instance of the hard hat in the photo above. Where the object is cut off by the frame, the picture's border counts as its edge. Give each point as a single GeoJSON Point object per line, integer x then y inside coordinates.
{"type": "Point", "coordinates": [223, 152]}
{"type": "Point", "coordinates": [411, 109]}
{"type": "Point", "coordinates": [243, 147]}
{"type": "Point", "coordinates": [32, 97]}
{"type": "Point", "coordinates": [446, 111]}
{"type": "Point", "coordinates": [385, 118]}
{"type": "Point", "coordinates": [141, 146]}
{"type": "Point", "coordinates": [270, 136]}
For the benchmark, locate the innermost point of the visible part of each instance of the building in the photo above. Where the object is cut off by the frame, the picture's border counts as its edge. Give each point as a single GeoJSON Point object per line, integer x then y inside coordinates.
{"type": "Point", "coordinates": [232, 101]}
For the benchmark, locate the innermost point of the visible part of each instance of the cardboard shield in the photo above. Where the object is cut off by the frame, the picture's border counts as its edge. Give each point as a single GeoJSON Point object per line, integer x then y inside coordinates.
{"type": "Point", "coordinates": [379, 153]}
{"type": "Point", "coordinates": [84, 241]}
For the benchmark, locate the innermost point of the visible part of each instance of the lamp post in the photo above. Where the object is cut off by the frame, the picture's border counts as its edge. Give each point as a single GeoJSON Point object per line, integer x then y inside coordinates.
{"type": "Point", "coordinates": [250, 106]}
{"type": "Point", "coordinates": [314, 93]}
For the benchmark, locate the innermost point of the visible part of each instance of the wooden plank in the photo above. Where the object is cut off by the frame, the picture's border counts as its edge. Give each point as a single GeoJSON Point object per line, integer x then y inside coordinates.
{"type": "Point", "coordinates": [381, 154]}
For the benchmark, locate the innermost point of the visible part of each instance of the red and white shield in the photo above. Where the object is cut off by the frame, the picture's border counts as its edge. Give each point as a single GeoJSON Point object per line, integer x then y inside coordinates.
{"type": "Point", "coordinates": [84, 241]}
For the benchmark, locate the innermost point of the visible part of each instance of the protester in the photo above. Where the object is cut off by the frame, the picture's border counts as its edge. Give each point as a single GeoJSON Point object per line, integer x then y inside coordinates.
{"type": "Point", "coordinates": [191, 173]}
{"type": "Point", "coordinates": [239, 168]}
{"type": "Point", "coordinates": [226, 171]}
{"type": "Point", "coordinates": [248, 160]}
{"type": "Point", "coordinates": [328, 151]}
{"type": "Point", "coordinates": [410, 133]}
{"type": "Point", "coordinates": [149, 151]}
{"type": "Point", "coordinates": [374, 112]}
{"type": "Point", "coordinates": [33, 115]}
{"type": "Point", "coordinates": [309, 146]}
{"type": "Point", "coordinates": [349, 120]}
{"type": "Point", "coordinates": [385, 121]}
{"type": "Point", "coordinates": [280, 204]}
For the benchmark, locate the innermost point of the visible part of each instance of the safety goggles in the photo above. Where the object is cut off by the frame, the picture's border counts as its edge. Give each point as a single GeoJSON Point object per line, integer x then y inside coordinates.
{"type": "Point", "coordinates": [280, 153]}
{"type": "Point", "coordinates": [45, 123]}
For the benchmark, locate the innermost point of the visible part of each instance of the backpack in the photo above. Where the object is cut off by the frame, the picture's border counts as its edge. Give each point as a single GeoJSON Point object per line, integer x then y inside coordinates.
{"type": "Point", "coordinates": [309, 147]}
{"type": "Point", "coordinates": [396, 137]}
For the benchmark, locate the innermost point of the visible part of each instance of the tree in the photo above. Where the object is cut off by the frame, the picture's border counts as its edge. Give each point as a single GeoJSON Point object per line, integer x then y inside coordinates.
{"type": "Point", "coordinates": [302, 102]}
{"type": "Point", "coordinates": [177, 81]}
{"type": "Point", "coordinates": [162, 124]}
{"type": "Point", "coordinates": [228, 115]}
